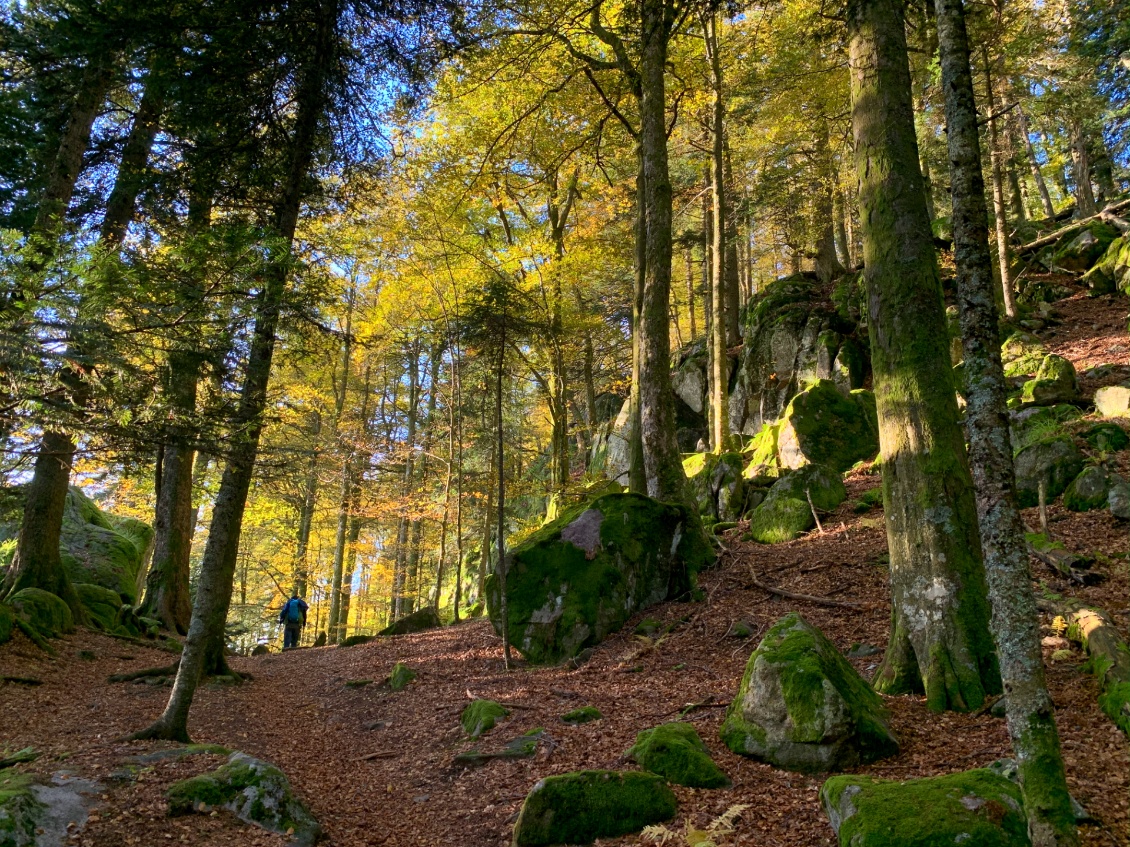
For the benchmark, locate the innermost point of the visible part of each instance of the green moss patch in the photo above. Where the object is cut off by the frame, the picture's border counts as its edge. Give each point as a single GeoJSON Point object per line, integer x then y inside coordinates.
{"type": "Point", "coordinates": [480, 716]}
{"type": "Point", "coordinates": [584, 714]}
{"type": "Point", "coordinates": [43, 611]}
{"type": "Point", "coordinates": [579, 807]}
{"type": "Point", "coordinates": [802, 707]}
{"type": "Point", "coordinates": [976, 807]}
{"type": "Point", "coordinates": [400, 677]}
{"type": "Point", "coordinates": [1107, 437]}
{"type": "Point", "coordinates": [715, 481]}
{"type": "Point", "coordinates": [1055, 382]}
{"type": "Point", "coordinates": [1022, 354]}
{"type": "Point", "coordinates": [785, 512]}
{"type": "Point", "coordinates": [676, 753]}
{"type": "Point", "coordinates": [255, 791]}
{"type": "Point", "coordinates": [579, 579]}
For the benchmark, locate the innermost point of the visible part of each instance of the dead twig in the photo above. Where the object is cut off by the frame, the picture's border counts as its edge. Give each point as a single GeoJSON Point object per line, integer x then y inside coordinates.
{"type": "Point", "coordinates": [380, 754]}
{"type": "Point", "coordinates": [815, 517]}
{"type": "Point", "coordinates": [807, 598]}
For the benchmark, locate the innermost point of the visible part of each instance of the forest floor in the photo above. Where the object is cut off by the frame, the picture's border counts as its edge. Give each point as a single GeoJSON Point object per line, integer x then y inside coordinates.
{"type": "Point", "coordinates": [298, 713]}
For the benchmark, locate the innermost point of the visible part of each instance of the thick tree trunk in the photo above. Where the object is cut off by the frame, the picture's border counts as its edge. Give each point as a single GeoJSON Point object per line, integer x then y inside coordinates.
{"type": "Point", "coordinates": [336, 622]}
{"type": "Point", "coordinates": [939, 639]}
{"type": "Point", "coordinates": [167, 595]}
{"type": "Point", "coordinates": [1000, 213]}
{"type": "Point", "coordinates": [1031, 714]}
{"type": "Point", "coordinates": [662, 460]}
{"type": "Point", "coordinates": [1085, 204]}
{"type": "Point", "coordinates": [306, 509]}
{"type": "Point", "coordinates": [205, 642]}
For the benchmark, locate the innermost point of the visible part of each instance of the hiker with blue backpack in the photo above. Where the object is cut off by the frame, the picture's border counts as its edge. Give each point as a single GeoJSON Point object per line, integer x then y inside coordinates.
{"type": "Point", "coordinates": [293, 618]}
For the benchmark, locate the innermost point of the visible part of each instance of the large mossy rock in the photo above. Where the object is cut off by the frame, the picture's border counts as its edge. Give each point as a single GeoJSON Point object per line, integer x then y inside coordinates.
{"type": "Point", "coordinates": [579, 579]}
{"type": "Point", "coordinates": [20, 811]}
{"type": "Point", "coordinates": [1079, 251]}
{"type": "Point", "coordinates": [43, 611]}
{"type": "Point", "coordinates": [418, 621]}
{"type": "Point", "coordinates": [785, 513]}
{"type": "Point", "coordinates": [255, 791]}
{"type": "Point", "coordinates": [677, 753]}
{"type": "Point", "coordinates": [1111, 272]}
{"type": "Point", "coordinates": [1056, 461]}
{"type": "Point", "coordinates": [824, 426]}
{"type": "Point", "coordinates": [103, 549]}
{"type": "Point", "coordinates": [802, 707]}
{"type": "Point", "coordinates": [716, 484]}
{"type": "Point", "coordinates": [1089, 490]}
{"type": "Point", "coordinates": [977, 808]}
{"type": "Point", "coordinates": [1107, 437]}
{"type": "Point", "coordinates": [1055, 382]}
{"type": "Point", "coordinates": [1022, 354]}
{"type": "Point", "coordinates": [1037, 423]}
{"type": "Point", "coordinates": [107, 612]}
{"type": "Point", "coordinates": [610, 453]}
{"type": "Point", "coordinates": [580, 807]}
{"type": "Point", "coordinates": [793, 333]}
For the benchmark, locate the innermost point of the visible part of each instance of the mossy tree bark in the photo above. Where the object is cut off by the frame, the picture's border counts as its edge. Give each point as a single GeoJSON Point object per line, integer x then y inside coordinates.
{"type": "Point", "coordinates": [1031, 714]}
{"type": "Point", "coordinates": [1000, 214]}
{"type": "Point", "coordinates": [1034, 163]}
{"type": "Point", "coordinates": [1085, 204]}
{"type": "Point", "coordinates": [939, 639]}
{"type": "Point", "coordinates": [203, 648]}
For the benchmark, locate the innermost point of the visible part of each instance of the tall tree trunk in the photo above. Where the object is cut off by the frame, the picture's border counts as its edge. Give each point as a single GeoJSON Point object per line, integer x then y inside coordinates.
{"type": "Point", "coordinates": [306, 508]}
{"type": "Point", "coordinates": [122, 201]}
{"type": "Point", "coordinates": [1031, 714]}
{"type": "Point", "coordinates": [690, 291]}
{"type": "Point", "coordinates": [205, 642]}
{"type": "Point", "coordinates": [843, 246]}
{"type": "Point", "coordinates": [1000, 214]}
{"type": "Point", "coordinates": [1034, 163]}
{"type": "Point", "coordinates": [500, 446]}
{"type": "Point", "coordinates": [167, 596]}
{"type": "Point", "coordinates": [733, 282]}
{"type": "Point", "coordinates": [939, 640]}
{"type": "Point", "coordinates": [400, 572]}
{"type": "Point", "coordinates": [1085, 204]}
{"type": "Point", "coordinates": [662, 460]}
{"type": "Point", "coordinates": [823, 210]}
{"type": "Point", "coordinates": [719, 361]}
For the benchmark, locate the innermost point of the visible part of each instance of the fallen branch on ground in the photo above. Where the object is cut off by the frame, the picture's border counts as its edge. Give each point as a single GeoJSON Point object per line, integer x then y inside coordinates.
{"type": "Point", "coordinates": [130, 676]}
{"type": "Point", "coordinates": [1067, 230]}
{"type": "Point", "coordinates": [807, 598]}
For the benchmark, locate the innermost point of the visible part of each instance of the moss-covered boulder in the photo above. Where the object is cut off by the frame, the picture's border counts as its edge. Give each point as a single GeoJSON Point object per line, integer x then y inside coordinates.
{"type": "Point", "coordinates": [1118, 500]}
{"type": "Point", "coordinates": [1055, 382]}
{"type": "Point", "coordinates": [400, 677]}
{"type": "Point", "coordinates": [977, 808]}
{"type": "Point", "coordinates": [43, 611]}
{"type": "Point", "coordinates": [1112, 271]}
{"type": "Point", "coordinates": [793, 333]}
{"type": "Point", "coordinates": [1056, 461]}
{"type": "Point", "coordinates": [20, 811]}
{"type": "Point", "coordinates": [1022, 353]}
{"type": "Point", "coordinates": [676, 752]}
{"type": "Point", "coordinates": [802, 707]}
{"type": "Point", "coordinates": [1107, 437]}
{"type": "Point", "coordinates": [824, 426]}
{"type": "Point", "coordinates": [1089, 490]}
{"type": "Point", "coordinates": [717, 485]}
{"type": "Point", "coordinates": [480, 716]}
{"type": "Point", "coordinates": [785, 512]}
{"type": "Point", "coordinates": [107, 612]}
{"type": "Point", "coordinates": [418, 621]}
{"type": "Point", "coordinates": [580, 578]}
{"type": "Point", "coordinates": [764, 464]}
{"type": "Point", "coordinates": [579, 807]}
{"type": "Point", "coordinates": [1079, 252]}
{"type": "Point", "coordinates": [1037, 423]}
{"type": "Point", "coordinates": [103, 549]}
{"type": "Point", "coordinates": [255, 791]}
{"type": "Point", "coordinates": [1113, 401]}
{"type": "Point", "coordinates": [584, 714]}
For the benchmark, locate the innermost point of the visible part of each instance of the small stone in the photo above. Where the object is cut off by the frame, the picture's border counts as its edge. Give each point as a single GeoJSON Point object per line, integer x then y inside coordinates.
{"type": "Point", "coordinates": [1118, 499]}
{"type": "Point", "coordinates": [480, 716]}
{"type": "Point", "coordinates": [676, 753]}
{"type": "Point", "coordinates": [1113, 401]}
{"type": "Point", "coordinates": [1088, 491]}
{"type": "Point", "coordinates": [1055, 642]}
{"type": "Point", "coordinates": [584, 714]}
{"type": "Point", "coordinates": [740, 629]}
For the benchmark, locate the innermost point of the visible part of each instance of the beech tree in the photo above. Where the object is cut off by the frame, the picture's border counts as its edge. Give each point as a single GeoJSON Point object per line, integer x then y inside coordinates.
{"type": "Point", "coordinates": [939, 642]}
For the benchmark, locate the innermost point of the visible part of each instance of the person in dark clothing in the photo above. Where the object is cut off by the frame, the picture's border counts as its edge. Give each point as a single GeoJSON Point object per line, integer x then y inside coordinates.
{"type": "Point", "coordinates": [293, 618]}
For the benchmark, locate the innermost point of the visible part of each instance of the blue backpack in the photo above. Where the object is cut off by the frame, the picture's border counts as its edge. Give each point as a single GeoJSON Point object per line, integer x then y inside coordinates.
{"type": "Point", "coordinates": [293, 611]}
